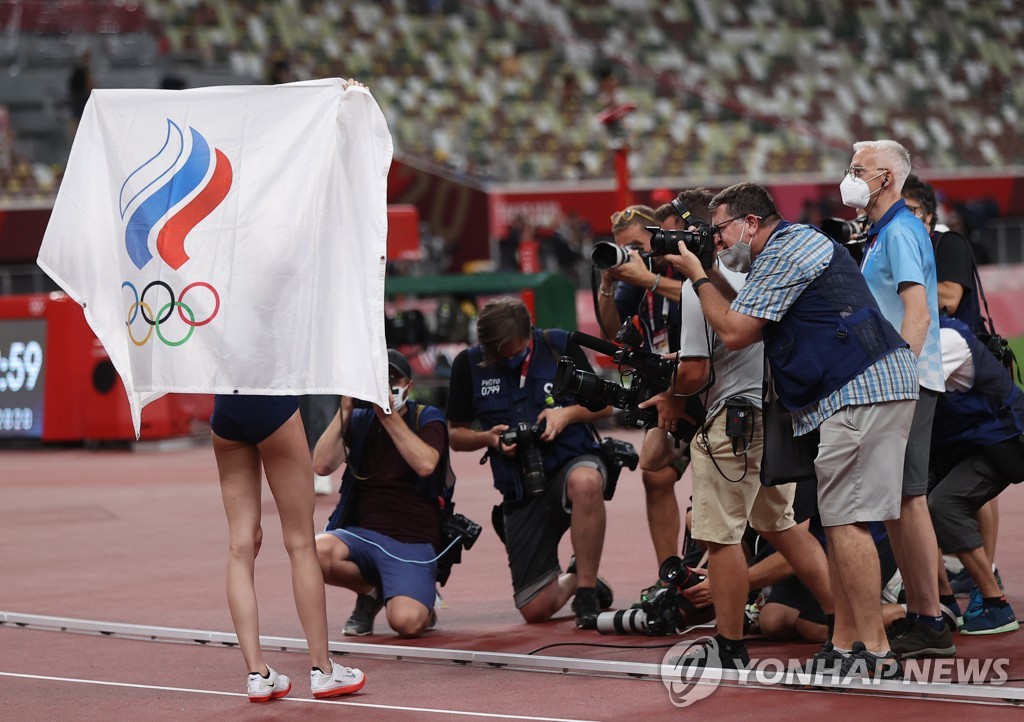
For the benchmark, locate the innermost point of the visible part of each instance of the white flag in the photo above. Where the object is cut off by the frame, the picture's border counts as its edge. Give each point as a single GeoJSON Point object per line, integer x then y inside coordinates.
{"type": "Point", "coordinates": [230, 239]}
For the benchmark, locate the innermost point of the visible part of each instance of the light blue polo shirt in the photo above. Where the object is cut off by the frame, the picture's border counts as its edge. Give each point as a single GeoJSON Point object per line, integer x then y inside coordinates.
{"type": "Point", "coordinates": [901, 252]}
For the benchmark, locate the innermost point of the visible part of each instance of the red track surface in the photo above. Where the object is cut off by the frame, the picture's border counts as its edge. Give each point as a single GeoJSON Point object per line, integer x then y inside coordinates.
{"type": "Point", "coordinates": [139, 537]}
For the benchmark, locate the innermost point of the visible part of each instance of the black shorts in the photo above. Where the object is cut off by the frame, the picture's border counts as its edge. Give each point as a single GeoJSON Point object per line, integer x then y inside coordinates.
{"type": "Point", "coordinates": [250, 418]}
{"type": "Point", "coordinates": [533, 529]}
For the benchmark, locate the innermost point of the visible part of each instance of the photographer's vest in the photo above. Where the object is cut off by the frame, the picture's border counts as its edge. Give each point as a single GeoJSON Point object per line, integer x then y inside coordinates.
{"type": "Point", "coordinates": [991, 411]}
{"type": "Point", "coordinates": [831, 334]}
{"type": "Point", "coordinates": [498, 398]}
{"type": "Point", "coordinates": [433, 487]}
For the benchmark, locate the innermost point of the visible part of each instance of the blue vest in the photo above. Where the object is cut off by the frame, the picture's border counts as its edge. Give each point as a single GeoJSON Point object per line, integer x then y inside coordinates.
{"type": "Point", "coordinates": [991, 411]}
{"type": "Point", "coordinates": [498, 399]}
{"type": "Point", "coordinates": [432, 487]}
{"type": "Point", "coordinates": [830, 335]}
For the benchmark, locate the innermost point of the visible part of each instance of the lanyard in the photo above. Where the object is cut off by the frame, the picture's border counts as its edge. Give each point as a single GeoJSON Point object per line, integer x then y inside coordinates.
{"type": "Point", "coordinates": [526, 364]}
{"type": "Point", "coordinates": [664, 304]}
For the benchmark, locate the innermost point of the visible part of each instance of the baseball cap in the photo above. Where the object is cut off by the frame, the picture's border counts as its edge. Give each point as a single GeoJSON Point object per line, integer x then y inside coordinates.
{"type": "Point", "coordinates": [399, 363]}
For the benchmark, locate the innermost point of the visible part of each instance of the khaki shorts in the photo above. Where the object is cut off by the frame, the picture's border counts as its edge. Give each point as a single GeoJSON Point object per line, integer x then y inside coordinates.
{"type": "Point", "coordinates": [722, 508]}
{"type": "Point", "coordinates": [860, 462]}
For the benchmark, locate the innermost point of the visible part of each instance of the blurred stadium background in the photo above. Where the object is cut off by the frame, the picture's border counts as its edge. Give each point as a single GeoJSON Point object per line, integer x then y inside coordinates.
{"type": "Point", "coordinates": [495, 107]}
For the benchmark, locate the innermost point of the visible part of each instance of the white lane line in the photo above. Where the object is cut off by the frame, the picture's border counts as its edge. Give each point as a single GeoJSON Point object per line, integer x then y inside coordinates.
{"type": "Point", "coordinates": [189, 690]}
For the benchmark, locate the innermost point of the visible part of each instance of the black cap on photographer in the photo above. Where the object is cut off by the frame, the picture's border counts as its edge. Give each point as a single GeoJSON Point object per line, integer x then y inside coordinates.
{"type": "Point", "coordinates": [399, 363]}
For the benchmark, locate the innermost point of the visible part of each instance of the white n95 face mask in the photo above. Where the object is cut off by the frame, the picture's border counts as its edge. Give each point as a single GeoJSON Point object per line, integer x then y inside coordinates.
{"type": "Point", "coordinates": [855, 192]}
{"type": "Point", "coordinates": [400, 394]}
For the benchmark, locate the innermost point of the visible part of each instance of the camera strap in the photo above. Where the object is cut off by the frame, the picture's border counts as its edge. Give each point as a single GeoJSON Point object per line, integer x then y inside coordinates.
{"type": "Point", "coordinates": [986, 317]}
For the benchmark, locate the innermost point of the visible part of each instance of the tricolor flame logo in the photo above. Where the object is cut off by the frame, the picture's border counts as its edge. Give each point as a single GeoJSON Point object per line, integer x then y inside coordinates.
{"type": "Point", "coordinates": [155, 187]}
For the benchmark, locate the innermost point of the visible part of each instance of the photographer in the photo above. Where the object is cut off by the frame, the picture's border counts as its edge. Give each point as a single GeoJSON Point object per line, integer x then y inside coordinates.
{"type": "Point", "coordinates": [977, 451]}
{"type": "Point", "coordinates": [641, 286]}
{"type": "Point", "coordinates": [397, 468]}
{"type": "Point", "coordinates": [662, 463]}
{"type": "Point", "coordinates": [726, 456]}
{"type": "Point", "coordinates": [841, 369]}
{"type": "Point", "coordinates": [552, 478]}
{"type": "Point", "coordinates": [899, 267]}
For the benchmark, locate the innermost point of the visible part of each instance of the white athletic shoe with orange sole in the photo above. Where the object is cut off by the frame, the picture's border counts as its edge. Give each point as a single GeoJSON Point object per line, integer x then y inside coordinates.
{"type": "Point", "coordinates": [264, 689]}
{"type": "Point", "coordinates": [341, 680]}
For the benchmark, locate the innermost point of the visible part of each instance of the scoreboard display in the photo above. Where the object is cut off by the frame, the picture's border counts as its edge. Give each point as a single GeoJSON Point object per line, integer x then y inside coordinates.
{"type": "Point", "coordinates": [22, 377]}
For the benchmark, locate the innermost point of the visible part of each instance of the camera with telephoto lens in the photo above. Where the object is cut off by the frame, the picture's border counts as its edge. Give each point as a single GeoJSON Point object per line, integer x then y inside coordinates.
{"type": "Point", "coordinates": [608, 255]}
{"type": "Point", "coordinates": [526, 437]}
{"type": "Point", "coordinates": [455, 528]}
{"type": "Point", "coordinates": [650, 374]}
{"type": "Point", "coordinates": [662, 613]}
{"type": "Point", "coordinates": [699, 242]}
{"type": "Point", "coordinates": [846, 233]}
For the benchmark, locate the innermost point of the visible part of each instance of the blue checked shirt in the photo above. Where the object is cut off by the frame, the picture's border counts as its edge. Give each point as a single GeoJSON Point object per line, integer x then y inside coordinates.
{"type": "Point", "coordinates": [793, 257]}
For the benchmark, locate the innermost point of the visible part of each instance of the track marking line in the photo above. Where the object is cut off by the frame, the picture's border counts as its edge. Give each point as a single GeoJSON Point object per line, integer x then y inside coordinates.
{"type": "Point", "coordinates": [190, 690]}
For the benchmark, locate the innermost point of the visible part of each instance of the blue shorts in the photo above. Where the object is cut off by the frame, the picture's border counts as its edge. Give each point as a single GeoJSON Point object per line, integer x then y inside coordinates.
{"type": "Point", "coordinates": [395, 578]}
{"type": "Point", "coordinates": [250, 418]}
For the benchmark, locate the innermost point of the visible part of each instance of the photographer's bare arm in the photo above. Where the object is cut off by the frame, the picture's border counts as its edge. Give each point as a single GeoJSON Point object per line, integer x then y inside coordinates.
{"type": "Point", "coordinates": [330, 453]}
{"type": "Point", "coordinates": [691, 376]}
{"type": "Point", "coordinates": [420, 456]}
{"type": "Point", "coordinates": [557, 419]}
{"type": "Point", "coordinates": [635, 273]}
{"type": "Point", "coordinates": [463, 437]}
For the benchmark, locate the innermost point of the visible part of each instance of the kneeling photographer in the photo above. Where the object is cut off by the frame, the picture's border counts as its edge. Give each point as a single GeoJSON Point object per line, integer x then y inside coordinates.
{"type": "Point", "coordinates": [383, 539]}
{"type": "Point", "coordinates": [545, 459]}
{"type": "Point", "coordinates": [726, 451]}
{"type": "Point", "coordinates": [642, 285]}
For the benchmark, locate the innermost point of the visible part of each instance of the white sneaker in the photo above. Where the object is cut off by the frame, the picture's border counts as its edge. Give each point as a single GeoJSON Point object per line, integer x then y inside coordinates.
{"type": "Point", "coordinates": [322, 485]}
{"type": "Point", "coordinates": [341, 680]}
{"type": "Point", "coordinates": [264, 689]}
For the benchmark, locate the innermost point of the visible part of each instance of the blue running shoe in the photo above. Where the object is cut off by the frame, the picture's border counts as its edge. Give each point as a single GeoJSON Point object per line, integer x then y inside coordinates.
{"type": "Point", "coordinates": [974, 604]}
{"type": "Point", "coordinates": [991, 620]}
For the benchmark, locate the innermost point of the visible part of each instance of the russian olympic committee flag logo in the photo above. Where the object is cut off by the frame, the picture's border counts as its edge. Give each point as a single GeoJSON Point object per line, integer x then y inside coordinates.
{"type": "Point", "coordinates": [152, 201]}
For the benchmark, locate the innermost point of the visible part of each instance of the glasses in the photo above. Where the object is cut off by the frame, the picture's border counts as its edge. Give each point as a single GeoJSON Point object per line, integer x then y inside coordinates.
{"type": "Point", "coordinates": [916, 210]}
{"type": "Point", "coordinates": [717, 229]}
{"type": "Point", "coordinates": [856, 171]}
{"type": "Point", "coordinates": [627, 215]}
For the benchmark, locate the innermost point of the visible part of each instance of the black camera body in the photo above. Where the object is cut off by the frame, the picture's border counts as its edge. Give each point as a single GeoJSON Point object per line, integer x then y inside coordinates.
{"type": "Point", "coordinates": [700, 242]}
{"type": "Point", "coordinates": [651, 375]}
{"type": "Point", "coordinates": [455, 527]}
{"type": "Point", "coordinates": [526, 437]}
{"type": "Point", "coordinates": [664, 612]}
{"type": "Point", "coordinates": [522, 433]}
{"type": "Point", "coordinates": [1000, 348]}
{"type": "Point", "coordinates": [619, 453]}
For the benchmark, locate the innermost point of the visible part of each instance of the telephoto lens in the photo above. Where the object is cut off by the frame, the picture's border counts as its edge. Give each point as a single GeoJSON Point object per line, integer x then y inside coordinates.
{"type": "Point", "coordinates": [623, 621]}
{"type": "Point", "coordinates": [608, 255]}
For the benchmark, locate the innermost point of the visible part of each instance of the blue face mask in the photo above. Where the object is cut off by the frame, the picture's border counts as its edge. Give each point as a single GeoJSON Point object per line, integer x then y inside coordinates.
{"type": "Point", "coordinates": [516, 361]}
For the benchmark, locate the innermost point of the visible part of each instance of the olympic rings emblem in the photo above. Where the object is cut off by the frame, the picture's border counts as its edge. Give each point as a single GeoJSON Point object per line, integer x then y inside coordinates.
{"type": "Point", "coordinates": [140, 307]}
